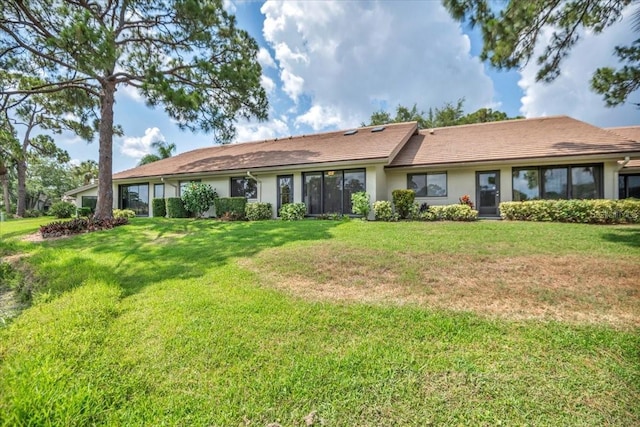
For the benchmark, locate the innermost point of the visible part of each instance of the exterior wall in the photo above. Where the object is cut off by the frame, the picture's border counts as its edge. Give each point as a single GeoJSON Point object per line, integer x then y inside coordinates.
{"type": "Point", "coordinates": [78, 196]}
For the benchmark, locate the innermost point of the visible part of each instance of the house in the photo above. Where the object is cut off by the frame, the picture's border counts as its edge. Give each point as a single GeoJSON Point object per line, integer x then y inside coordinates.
{"type": "Point", "coordinates": [541, 158]}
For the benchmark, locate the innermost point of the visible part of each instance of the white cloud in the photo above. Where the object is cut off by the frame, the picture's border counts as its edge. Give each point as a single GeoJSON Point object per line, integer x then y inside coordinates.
{"type": "Point", "coordinates": [319, 117]}
{"type": "Point", "coordinates": [137, 147]}
{"type": "Point", "coordinates": [131, 93]}
{"type": "Point", "coordinates": [247, 132]}
{"type": "Point", "coordinates": [570, 93]}
{"type": "Point", "coordinates": [267, 83]}
{"type": "Point", "coordinates": [351, 57]}
{"type": "Point", "coordinates": [265, 59]}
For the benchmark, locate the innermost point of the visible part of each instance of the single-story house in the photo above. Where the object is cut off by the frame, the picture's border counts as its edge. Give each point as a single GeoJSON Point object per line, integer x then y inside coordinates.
{"type": "Point", "coordinates": [542, 158]}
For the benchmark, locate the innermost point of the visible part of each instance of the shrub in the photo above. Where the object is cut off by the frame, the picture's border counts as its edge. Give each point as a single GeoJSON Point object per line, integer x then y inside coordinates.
{"type": "Point", "coordinates": [383, 212]}
{"type": "Point", "coordinates": [293, 211]}
{"type": "Point", "coordinates": [597, 211]}
{"type": "Point", "coordinates": [175, 208]}
{"type": "Point", "coordinates": [466, 200]}
{"type": "Point", "coordinates": [62, 209]}
{"type": "Point", "coordinates": [159, 207]}
{"type": "Point", "coordinates": [403, 200]}
{"type": "Point", "coordinates": [198, 198]}
{"type": "Point", "coordinates": [361, 204]}
{"type": "Point", "coordinates": [232, 207]}
{"type": "Point", "coordinates": [123, 213]}
{"type": "Point", "coordinates": [85, 212]}
{"type": "Point", "coordinates": [80, 225]}
{"type": "Point", "coordinates": [462, 212]}
{"type": "Point", "coordinates": [258, 211]}
{"type": "Point", "coordinates": [32, 213]}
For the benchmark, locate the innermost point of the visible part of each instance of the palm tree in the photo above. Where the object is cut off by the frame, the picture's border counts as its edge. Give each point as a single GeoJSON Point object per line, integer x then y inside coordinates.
{"type": "Point", "coordinates": [87, 170]}
{"type": "Point", "coordinates": [164, 150]}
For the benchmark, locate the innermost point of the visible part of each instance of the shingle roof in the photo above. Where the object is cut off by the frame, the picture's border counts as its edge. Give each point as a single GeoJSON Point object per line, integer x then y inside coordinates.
{"type": "Point", "coordinates": [299, 150]}
{"type": "Point", "coordinates": [511, 140]}
{"type": "Point", "coordinates": [630, 132]}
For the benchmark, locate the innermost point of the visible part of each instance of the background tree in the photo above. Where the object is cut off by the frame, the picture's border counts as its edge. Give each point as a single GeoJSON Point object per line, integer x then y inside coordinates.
{"type": "Point", "coordinates": [449, 114]}
{"type": "Point", "coordinates": [186, 55]}
{"type": "Point", "coordinates": [163, 149]}
{"type": "Point", "coordinates": [47, 181]}
{"type": "Point", "coordinates": [512, 33]}
{"type": "Point", "coordinates": [86, 171]}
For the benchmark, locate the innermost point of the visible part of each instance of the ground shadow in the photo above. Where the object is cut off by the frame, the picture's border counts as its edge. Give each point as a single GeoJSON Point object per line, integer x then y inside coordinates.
{"type": "Point", "coordinates": [629, 236]}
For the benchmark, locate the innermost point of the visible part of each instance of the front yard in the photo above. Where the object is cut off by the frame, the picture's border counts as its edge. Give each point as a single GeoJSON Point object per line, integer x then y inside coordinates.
{"type": "Point", "coordinates": [326, 323]}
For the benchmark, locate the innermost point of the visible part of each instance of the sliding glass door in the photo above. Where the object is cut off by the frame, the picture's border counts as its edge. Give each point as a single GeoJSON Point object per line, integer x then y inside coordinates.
{"type": "Point", "coordinates": [330, 192]}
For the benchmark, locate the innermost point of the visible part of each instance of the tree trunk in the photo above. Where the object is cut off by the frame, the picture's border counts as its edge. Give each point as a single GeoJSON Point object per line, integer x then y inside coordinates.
{"type": "Point", "coordinates": [22, 187]}
{"type": "Point", "coordinates": [104, 205]}
{"type": "Point", "coordinates": [5, 191]}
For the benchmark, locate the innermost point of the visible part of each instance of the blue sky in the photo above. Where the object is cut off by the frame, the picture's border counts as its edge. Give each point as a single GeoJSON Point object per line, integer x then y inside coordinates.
{"type": "Point", "coordinates": [329, 64]}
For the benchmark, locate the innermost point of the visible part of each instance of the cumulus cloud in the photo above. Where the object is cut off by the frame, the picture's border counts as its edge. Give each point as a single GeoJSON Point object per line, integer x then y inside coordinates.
{"type": "Point", "coordinates": [570, 93]}
{"type": "Point", "coordinates": [251, 131]}
{"type": "Point", "coordinates": [265, 59]}
{"type": "Point", "coordinates": [138, 146]}
{"type": "Point", "coordinates": [267, 83]}
{"type": "Point", "coordinates": [350, 58]}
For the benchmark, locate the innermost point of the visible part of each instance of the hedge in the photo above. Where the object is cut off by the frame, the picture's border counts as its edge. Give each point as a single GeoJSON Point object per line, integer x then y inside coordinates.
{"type": "Point", "coordinates": [175, 208]}
{"type": "Point", "coordinates": [258, 211]}
{"type": "Point", "coordinates": [233, 207]}
{"type": "Point", "coordinates": [459, 212]}
{"type": "Point", "coordinates": [599, 211]}
{"type": "Point", "coordinates": [159, 207]}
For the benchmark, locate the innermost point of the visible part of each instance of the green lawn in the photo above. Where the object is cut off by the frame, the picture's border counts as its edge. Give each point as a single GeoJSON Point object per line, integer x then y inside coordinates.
{"type": "Point", "coordinates": [184, 322]}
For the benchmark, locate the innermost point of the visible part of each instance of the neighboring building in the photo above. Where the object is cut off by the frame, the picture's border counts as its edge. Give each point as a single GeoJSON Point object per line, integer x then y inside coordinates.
{"type": "Point", "coordinates": [545, 158]}
{"type": "Point", "coordinates": [629, 176]}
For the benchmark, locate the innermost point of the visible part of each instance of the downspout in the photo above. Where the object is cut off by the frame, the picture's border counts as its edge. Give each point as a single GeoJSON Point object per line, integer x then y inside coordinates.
{"type": "Point", "coordinates": [626, 160]}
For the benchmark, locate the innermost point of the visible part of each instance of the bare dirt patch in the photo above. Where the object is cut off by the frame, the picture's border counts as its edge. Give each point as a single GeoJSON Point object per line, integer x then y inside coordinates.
{"type": "Point", "coordinates": [571, 288]}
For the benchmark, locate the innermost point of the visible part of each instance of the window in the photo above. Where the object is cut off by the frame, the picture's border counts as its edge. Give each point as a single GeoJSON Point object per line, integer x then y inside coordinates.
{"type": "Point", "coordinates": [244, 187]}
{"type": "Point", "coordinates": [90, 202]}
{"type": "Point", "coordinates": [158, 191]}
{"type": "Point", "coordinates": [182, 185]}
{"type": "Point", "coordinates": [557, 182]}
{"type": "Point", "coordinates": [285, 190]}
{"type": "Point", "coordinates": [330, 191]}
{"type": "Point", "coordinates": [136, 198]}
{"type": "Point", "coordinates": [629, 186]}
{"type": "Point", "coordinates": [428, 184]}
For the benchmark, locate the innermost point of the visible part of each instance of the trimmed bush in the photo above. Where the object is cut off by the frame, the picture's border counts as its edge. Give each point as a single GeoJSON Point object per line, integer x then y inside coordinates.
{"type": "Point", "coordinates": [159, 207]}
{"type": "Point", "coordinates": [85, 212]}
{"type": "Point", "coordinates": [258, 211]}
{"type": "Point", "coordinates": [175, 208]}
{"type": "Point", "coordinates": [598, 211]}
{"type": "Point", "coordinates": [32, 213]}
{"type": "Point", "coordinates": [403, 201]}
{"type": "Point", "coordinates": [361, 204]}
{"type": "Point", "coordinates": [231, 207]}
{"type": "Point", "coordinates": [62, 209]}
{"type": "Point", "coordinates": [198, 198]}
{"type": "Point", "coordinates": [449, 213]}
{"type": "Point", "coordinates": [123, 213]}
{"type": "Point", "coordinates": [383, 211]}
{"type": "Point", "coordinates": [293, 211]}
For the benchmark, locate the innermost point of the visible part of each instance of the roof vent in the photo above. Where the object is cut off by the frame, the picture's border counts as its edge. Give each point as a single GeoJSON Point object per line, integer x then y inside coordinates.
{"type": "Point", "coordinates": [378, 129]}
{"type": "Point", "coordinates": [351, 132]}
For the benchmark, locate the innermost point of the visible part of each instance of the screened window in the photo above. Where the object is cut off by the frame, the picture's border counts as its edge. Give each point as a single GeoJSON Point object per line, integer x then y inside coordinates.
{"type": "Point", "coordinates": [629, 186]}
{"type": "Point", "coordinates": [557, 182]}
{"type": "Point", "coordinates": [244, 187]}
{"type": "Point", "coordinates": [90, 202]}
{"type": "Point", "coordinates": [428, 184]}
{"type": "Point", "coordinates": [158, 191]}
{"type": "Point", "coordinates": [136, 198]}
{"type": "Point", "coordinates": [330, 191]}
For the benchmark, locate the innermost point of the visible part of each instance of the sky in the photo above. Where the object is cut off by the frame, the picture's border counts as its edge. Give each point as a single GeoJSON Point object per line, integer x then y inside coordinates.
{"type": "Point", "coordinates": [328, 65]}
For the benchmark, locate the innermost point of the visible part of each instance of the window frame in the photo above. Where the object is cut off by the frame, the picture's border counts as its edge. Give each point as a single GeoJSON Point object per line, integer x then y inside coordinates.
{"type": "Point", "coordinates": [542, 190]}
{"type": "Point", "coordinates": [245, 179]}
{"type": "Point", "coordinates": [279, 191]}
{"type": "Point", "coordinates": [344, 210]}
{"type": "Point", "coordinates": [121, 187]}
{"type": "Point", "coordinates": [426, 181]}
{"type": "Point", "coordinates": [625, 187]}
{"type": "Point", "coordinates": [155, 192]}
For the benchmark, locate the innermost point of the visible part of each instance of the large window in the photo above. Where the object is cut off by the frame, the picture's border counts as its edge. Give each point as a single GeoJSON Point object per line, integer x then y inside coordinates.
{"type": "Point", "coordinates": [90, 202]}
{"type": "Point", "coordinates": [557, 182]}
{"type": "Point", "coordinates": [158, 191]}
{"type": "Point", "coordinates": [285, 190]}
{"type": "Point", "coordinates": [629, 186]}
{"type": "Point", "coordinates": [428, 184]}
{"type": "Point", "coordinates": [244, 187]}
{"type": "Point", "coordinates": [136, 198]}
{"type": "Point", "coordinates": [330, 191]}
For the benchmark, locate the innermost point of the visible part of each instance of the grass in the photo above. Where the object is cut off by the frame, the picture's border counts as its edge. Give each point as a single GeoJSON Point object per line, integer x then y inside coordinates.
{"type": "Point", "coordinates": [209, 323]}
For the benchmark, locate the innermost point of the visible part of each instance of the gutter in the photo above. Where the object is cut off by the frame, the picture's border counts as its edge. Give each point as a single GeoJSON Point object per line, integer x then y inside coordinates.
{"type": "Point", "coordinates": [622, 164]}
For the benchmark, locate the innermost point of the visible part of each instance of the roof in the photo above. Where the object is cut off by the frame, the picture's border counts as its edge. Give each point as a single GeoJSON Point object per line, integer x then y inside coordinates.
{"type": "Point", "coordinates": [81, 189]}
{"type": "Point", "coordinates": [511, 140]}
{"type": "Point", "coordinates": [630, 132]}
{"type": "Point", "coordinates": [291, 151]}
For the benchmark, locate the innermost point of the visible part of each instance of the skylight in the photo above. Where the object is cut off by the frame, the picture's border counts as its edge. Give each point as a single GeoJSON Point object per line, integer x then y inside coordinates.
{"type": "Point", "coordinates": [378, 129]}
{"type": "Point", "coordinates": [351, 132]}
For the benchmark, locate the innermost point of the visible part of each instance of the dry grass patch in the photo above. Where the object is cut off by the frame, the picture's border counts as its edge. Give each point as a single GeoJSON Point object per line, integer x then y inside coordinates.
{"type": "Point", "coordinates": [573, 288]}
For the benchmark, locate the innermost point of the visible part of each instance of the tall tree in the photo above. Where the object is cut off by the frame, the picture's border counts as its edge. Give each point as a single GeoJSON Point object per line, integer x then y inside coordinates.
{"type": "Point", "coordinates": [186, 55]}
{"type": "Point", "coordinates": [511, 34]}
{"type": "Point", "coordinates": [8, 144]}
{"type": "Point", "coordinates": [163, 149]}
